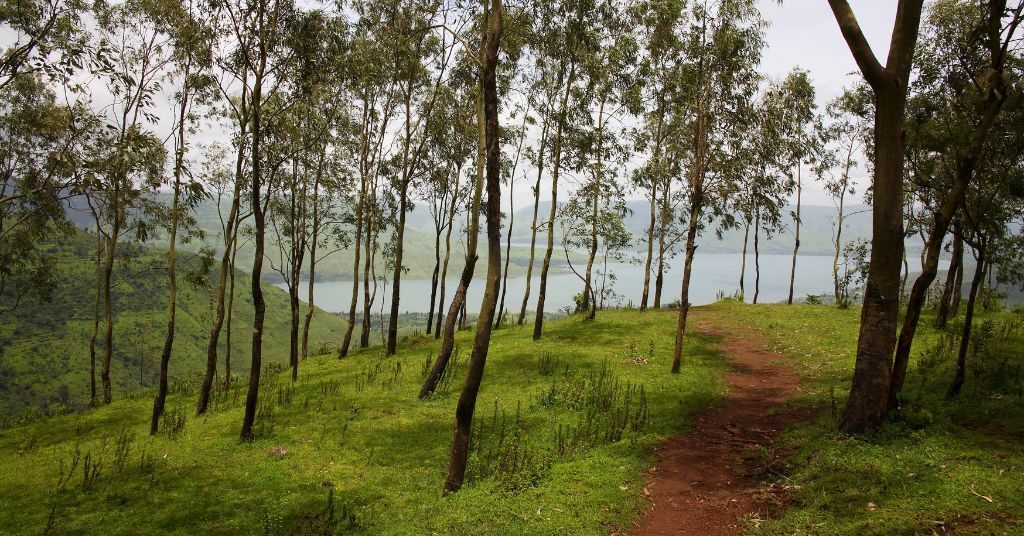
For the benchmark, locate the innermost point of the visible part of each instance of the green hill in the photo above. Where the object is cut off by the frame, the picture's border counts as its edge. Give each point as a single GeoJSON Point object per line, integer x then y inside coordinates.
{"type": "Point", "coordinates": [565, 435]}
{"type": "Point", "coordinates": [44, 346]}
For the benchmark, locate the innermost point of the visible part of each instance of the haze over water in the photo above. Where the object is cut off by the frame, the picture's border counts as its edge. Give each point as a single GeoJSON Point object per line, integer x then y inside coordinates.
{"type": "Point", "coordinates": [712, 273]}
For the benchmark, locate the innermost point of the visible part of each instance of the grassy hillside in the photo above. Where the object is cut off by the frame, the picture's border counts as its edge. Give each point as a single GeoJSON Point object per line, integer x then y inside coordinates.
{"type": "Point", "coordinates": [44, 346]}
{"type": "Point", "coordinates": [567, 427]}
{"type": "Point", "coordinates": [565, 432]}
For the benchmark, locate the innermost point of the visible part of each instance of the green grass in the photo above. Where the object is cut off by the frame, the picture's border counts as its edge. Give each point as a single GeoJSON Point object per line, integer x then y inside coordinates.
{"type": "Point", "coordinates": [921, 473]}
{"type": "Point", "coordinates": [355, 424]}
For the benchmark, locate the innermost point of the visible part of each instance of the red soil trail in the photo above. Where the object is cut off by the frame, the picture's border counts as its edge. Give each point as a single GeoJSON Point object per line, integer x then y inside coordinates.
{"type": "Point", "coordinates": [711, 481]}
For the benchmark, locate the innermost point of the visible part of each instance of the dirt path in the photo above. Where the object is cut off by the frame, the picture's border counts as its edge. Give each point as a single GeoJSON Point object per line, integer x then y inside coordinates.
{"type": "Point", "coordinates": [708, 481]}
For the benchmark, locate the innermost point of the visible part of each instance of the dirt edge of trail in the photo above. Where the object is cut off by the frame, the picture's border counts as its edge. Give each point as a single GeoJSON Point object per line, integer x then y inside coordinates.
{"type": "Point", "coordinates": [719, 478]}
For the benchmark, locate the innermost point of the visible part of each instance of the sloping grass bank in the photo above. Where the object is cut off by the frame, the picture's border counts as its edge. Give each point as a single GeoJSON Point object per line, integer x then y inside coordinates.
{"type": "Point", "coordinates": [566, 428]}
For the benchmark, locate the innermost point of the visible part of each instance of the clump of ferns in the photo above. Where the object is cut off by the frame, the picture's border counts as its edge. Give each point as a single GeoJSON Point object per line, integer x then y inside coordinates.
{"type": "Point", "coordinates": [500, 449]}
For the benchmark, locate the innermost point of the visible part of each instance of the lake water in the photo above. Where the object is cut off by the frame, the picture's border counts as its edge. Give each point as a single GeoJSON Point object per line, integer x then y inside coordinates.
{"type": "Point", "coordinates": [712, 273]}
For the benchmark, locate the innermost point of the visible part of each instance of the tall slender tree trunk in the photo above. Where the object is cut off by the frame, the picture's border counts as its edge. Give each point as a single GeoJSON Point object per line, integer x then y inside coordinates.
{"type": "Point", "coordinates": [684, 299]}
{"type": "Point", "coordinates": [259, 219]}
{"type": "Point", "coordinates": [396, 278]}
{"type": "Point", "coordinates": [172, 277]}
{"type": "Point", "coordinates": [945, 304]}
{"type": "Point", "coordinates": [95, 317]}
{"type": "Point", "coordinates": [589, 303]}
{"type": "Point", "coordinates": [228, 346]}
{"type": "Point", "coordinates": [796, 243]}
{"type": "Point", "coordinates": [838, 241]}
{"type": "Point", "coordinates": [108, 307]}
{"type": "Point", "coordinates": [354, 302]}
{"type": "Point", "coordinates": [538, 322]}
{"type": "Point", "coordinates": [650, 246]}
{"type": "Point", "coordinates": [458, 306]}
{"type": "Point", "coordinates": [227, 264]}
{"type": "Point", "coordinates": [965, 338]}
{"type": "Point", "coordinates": [508, 247]}
{"type": "Point", "coordinates": [757, 254]}
{"type": "Point", "coordinates": [447, 252]}
{"type": "Point", "coordinates": [743, 259]}
{"type": "Point", "coordinates": [654, 203]}
{"type": "Point", "coordinates": [533, 226]}
{"type": "Point", "coordinates": [369, 275]}
{"type": "Point", "coordinates": [435, 274]}
{"type": "Point", "coordinates": [474, 375]}
{"type": "Point", "coordinates": [314, 237]}
{"type": "Point", "coordinates": [659, 276]}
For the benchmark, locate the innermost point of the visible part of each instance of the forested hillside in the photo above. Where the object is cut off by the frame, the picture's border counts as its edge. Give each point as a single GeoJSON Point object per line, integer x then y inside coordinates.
{"type": "Point", "coordinates": [44, 345]}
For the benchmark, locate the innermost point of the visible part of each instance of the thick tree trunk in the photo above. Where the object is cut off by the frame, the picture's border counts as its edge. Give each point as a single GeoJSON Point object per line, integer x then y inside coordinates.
{"type": "Point", "coordinates": [869, 393]}
{"type": "Point", "coordinates": [965, 338]}
{"type": "Point", "coordinates": [369, 275]}
{"type": "Point", "coordinates": [659, 277]}
{"type": "Point", "coordinates": [228, 347]}
{"type": "Point", "coordinates": [108, 311]}
{"type": "Point", "coordinates": [474, 375]}
{"type": "Point", "coordinates": [538, 322]}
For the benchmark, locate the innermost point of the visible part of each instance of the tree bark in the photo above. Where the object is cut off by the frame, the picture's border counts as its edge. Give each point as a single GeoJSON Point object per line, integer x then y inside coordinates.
{"type": "Point", "coordinates": [346, 341]}
{"type": "Point", "coordinates": [869, 393]}
{"type": "Point", "coordinates": [743, 259]}
{"type": "Point", "coordinates": [474, 375]}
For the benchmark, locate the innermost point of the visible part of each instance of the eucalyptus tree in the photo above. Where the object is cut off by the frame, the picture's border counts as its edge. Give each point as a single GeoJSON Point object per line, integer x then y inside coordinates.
{"type": "Point", "coordinates": [456, 309]}
{"type": "Point", "coordinates": [492, 28]}
{"type": "Point", "coordinates": [990, 216]}
{"type": "Point", "coordinates": [413, 46]}
{"type": "Point", "coordinates": [867, 403]}
{"type": "Point", "coordinates": [801, 141]}
{"type": "Point", "coordinates": [723, 47]}
{"type": "Point", "coordinates": [259, 28]}
{"type": "Point", "coordinates": [43, 39]}
{"type": "Point", "coordinates": [300, 135]}
{"type": "Point", "coordinates": [960, 89]}
{"type": "Point", "coordinates": [130, 156]}
{"type": "Point", "coordinates": [42, 157]}
{"type": "Point", "coordinates": [449, 146]}
{"type": "Point", "coordinates": [373, 99]}
{"type": "Point", "coordinates": [512, 167]}
{"type": "Point", "coordinates": [846, 129]}
{"type": "Point", "coordinates": [191, 61]}
{"type": "Point", "coordinates": [608, 74]}
{"type": "Point", "coordinates": [541, 95]}
{"type": "Point", "coordinates": [565, 36]}
{"type": "Point", "coordinates": [231, 61]}
{"type": "Point", "coordinates": [660, 25]}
